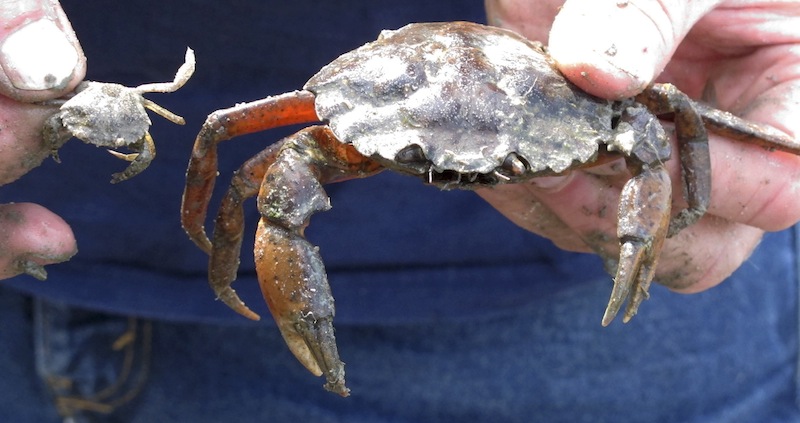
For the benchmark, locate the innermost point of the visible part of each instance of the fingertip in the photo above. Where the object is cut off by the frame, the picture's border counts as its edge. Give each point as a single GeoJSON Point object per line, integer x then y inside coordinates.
{"type": "Point", "coordinates": [40, 56]}
{"type": "Point", "coordinates": [610, 49]}
{"type": "Point", "coordinates": [32, 236]}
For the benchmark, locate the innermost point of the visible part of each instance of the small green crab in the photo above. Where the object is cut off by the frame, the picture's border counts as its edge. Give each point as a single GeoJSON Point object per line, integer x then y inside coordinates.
{"type": "Point", "coordinates": [112, 115]}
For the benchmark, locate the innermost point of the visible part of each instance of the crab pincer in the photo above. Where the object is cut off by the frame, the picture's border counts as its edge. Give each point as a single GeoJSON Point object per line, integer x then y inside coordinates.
{"type": "Point", "coordinates": [644, 219]}
{"type": "Point", "coordinates": [287, 177]}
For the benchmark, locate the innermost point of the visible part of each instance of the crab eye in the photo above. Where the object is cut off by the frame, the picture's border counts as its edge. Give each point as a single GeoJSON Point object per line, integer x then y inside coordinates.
{"type": "Point", "coordinates": [514, 165]}
{"type": "Point", "coordinates": [411, 154]}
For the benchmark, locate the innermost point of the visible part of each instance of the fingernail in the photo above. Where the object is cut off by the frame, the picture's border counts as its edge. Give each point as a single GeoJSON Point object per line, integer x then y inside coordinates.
{"type": "Point", "coordinates": [31, 268]}
{"type": "Point", "coordinates": [38, 56]}
{"type": "Point", "coordinates": [32, 264]}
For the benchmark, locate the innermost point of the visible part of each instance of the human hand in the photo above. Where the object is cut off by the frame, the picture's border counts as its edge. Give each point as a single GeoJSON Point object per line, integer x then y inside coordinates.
{"type": "Point", "coordinates": [739, 56]}
{"type": "Point", "coordinates": [40, 59]}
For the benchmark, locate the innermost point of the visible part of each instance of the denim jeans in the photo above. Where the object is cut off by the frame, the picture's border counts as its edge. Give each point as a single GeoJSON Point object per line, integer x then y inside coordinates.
{"type": "Point", "coordinates": [725, 355]}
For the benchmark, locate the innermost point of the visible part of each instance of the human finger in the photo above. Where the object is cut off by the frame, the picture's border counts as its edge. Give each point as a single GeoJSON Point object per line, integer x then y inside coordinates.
{"type": "Point", "coordinates": [519, 205]}
{"type": "Point", "coordinates": [531, 19]}
{"type": "Point", "coordinates": [697, 258]}
{"type": "Point", "coordinates": [705, 254]}
{"type": "Point", "coordinates": [40, 57]}
{"type": "Point", "coordinates": [21, 140]}
{"type": "Point", "coordinates": [750, 185]}
{"type": "Point", "coordinates": [30, 238]}
{"type": "Point", "coordinates": [630, 44]}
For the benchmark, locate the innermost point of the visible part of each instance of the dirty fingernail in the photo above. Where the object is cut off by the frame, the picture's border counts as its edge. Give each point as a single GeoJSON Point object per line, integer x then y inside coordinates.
{"type": "Point", "coordinates": [31, 268]}
{"type": "Point", "coordinates": [32, 264]}
{"type": "Point", "coordinates": [38, 56]}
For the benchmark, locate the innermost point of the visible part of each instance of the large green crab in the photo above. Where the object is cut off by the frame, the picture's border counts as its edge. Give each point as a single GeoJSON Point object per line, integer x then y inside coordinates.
{"type": "Point", "coordinates": [459, 105]}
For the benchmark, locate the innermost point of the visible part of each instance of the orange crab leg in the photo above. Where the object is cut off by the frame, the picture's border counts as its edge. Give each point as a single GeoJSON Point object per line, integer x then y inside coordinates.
{"type": "Point", "coordinates": [229, 229]}
{"type": "Point", "coordinates": [290, 269]}
{"type": "Point", "coordinates": [271, 112]}
{"type": "Point", "coordinates": [288, 178]}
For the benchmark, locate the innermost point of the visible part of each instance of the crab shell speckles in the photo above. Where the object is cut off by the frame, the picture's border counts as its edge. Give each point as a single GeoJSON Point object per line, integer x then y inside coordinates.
{"type": "Point", "coordinates": [106, 115]}
{"type": "Point", "coordinates": [467, 98]}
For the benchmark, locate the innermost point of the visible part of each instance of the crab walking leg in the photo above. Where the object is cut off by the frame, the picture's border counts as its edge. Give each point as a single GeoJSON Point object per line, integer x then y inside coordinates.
{"type": "Point", "coordinates": [145, 153]}
{"type": "Point", "coordinates": [223, 262]}
{"type": "Point", "coordinates": [733, 127]}
{"type": "Point", "coordinates": [166, 114]}
{"type": "Point", "coordinates": [290, 269]}
{"type": "Point", "coordinates": [694, 155]}
{"type": "Point", "coordinates": [226, 243]}
{"type": "Point", "coordinates": [271, 112]}
{"type": "Point", "coordinates": [644, 211]}
{"type": "Point", "coordinates": [663, 98]}
{"type": "Point", "coordinates": [181, 77]}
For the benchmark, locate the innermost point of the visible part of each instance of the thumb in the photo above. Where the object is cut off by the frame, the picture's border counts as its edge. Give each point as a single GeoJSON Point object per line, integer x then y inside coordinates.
{"type": "Point", "coordinates": [614, 49]}
{"type": "Point", "coordinates": [40, 57]}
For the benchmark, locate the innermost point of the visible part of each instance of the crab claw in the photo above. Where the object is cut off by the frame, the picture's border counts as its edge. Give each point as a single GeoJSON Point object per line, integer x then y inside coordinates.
{"type": "Point", "coordinates": [139, 161]}
{"type": "Point", "coordinates": [295, 287]}
{"type": "Point", "coordinates": [129, 157]}
{"type": "Point", "coordinates": [644, 215]}
{"type": "Point", "coordinates": [288, 177]}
